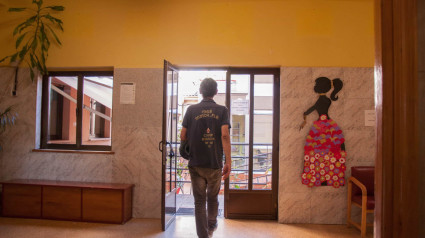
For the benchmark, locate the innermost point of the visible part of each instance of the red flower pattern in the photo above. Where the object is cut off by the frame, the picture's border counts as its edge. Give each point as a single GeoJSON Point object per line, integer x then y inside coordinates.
{"type": "Point", "coordinates": [323, 154]}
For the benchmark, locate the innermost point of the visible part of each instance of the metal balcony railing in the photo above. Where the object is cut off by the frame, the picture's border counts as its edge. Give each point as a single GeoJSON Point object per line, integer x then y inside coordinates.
{"type": "Point", "coordinates": [262, 164]}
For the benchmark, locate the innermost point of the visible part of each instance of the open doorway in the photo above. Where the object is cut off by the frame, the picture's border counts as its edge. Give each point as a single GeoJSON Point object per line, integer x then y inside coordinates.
{"type": "Point", "coordinates": [252, 96]}
{"type": "Point", "coordinates": [249, 94]}
{"type": "Point", "coordinates": [188, 94]}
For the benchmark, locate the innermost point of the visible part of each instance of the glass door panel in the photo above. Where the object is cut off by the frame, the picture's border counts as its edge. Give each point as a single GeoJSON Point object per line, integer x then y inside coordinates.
{"type": "Point", "coordinates": [239, 133]}
{"type": "Point", "coordinates": [168, 145]}
{"type": "Point", "coordinates": [263, 132]}
{"type": "Point", "coordinates": [254, 107]}
{"type": "Point", "coordinates": [174, 133]}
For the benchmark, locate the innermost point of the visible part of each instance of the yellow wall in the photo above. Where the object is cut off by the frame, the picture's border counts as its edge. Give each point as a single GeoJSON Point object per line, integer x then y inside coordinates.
{"type": "Point", "coordinates": [130, 33]}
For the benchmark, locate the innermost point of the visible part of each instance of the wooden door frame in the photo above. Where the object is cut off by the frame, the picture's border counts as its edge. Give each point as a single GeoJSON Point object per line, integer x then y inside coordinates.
{"type": "Point", "coordinates": [276, 109]}
{"type": "Point", "coordinates": [396, 105]}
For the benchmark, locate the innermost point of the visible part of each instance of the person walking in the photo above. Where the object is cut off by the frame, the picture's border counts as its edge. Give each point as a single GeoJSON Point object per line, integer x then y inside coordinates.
{"type": "Point", "coordinates": [205, 129]}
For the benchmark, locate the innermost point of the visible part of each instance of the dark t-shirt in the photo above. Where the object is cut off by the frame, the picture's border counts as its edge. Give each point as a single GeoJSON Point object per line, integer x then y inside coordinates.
{"type": "Point", "coordinates": [203, 122]}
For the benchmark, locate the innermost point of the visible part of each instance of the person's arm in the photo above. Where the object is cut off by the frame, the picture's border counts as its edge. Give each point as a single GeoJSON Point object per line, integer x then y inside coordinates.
{"type": "Point", "coordinates": [225, 140]}
{"type": "Point", "coordinates": [310, 110]}
{"type": "Point", "coordinates": [183, 134]}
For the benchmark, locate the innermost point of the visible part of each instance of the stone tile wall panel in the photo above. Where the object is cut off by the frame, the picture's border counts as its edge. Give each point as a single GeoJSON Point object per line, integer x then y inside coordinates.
{"type": "Point", "coordinates": [321, 205]}
{"type": "Point", "coordinates": [136, 132]}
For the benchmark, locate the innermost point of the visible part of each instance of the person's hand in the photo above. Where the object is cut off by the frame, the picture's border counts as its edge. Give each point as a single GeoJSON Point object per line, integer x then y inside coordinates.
{"type": "Point", "coordinates": [302, 125]}
{"type": "Point", "coordinates": [304, 122]}
{"type": "Point", "coordinates": [226, 171]}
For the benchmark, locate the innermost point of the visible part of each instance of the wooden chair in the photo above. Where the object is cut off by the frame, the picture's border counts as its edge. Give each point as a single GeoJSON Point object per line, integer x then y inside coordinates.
{"type": "Point", "coordinates": [362, 195]}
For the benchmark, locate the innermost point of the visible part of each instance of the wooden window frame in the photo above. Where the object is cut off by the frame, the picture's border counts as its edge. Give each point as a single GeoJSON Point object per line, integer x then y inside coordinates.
{"type": "Point", "coordinates": [79, 120]}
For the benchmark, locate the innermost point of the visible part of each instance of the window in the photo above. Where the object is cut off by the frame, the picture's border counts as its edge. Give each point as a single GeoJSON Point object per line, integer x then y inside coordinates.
{"type": "Point", "coordinates": [77, 110]}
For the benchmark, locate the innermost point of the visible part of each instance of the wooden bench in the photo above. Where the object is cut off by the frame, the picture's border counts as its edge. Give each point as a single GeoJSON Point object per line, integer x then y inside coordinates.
{"type": "Point", "coordinates": [62, 200]}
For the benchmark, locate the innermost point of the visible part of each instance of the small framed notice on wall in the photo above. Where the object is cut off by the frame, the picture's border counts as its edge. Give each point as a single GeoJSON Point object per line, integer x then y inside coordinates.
{"type": "Point", "coordinates": [128, 93]}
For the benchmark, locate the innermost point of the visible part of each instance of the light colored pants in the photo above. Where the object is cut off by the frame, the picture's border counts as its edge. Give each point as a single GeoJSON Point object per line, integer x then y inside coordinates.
{"type": "Point", "coordinates": [206, 186]}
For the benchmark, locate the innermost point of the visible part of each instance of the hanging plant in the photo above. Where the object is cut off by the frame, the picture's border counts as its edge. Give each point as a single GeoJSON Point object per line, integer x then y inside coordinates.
{"type": "Point", "coordinates": [7, 119]}
{"type": "Point", "coordinates": [34, 36]}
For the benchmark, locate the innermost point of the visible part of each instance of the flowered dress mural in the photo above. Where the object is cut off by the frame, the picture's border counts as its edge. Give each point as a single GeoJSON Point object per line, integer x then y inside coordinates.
{"type": "Point", "coordinates": [324, 150]}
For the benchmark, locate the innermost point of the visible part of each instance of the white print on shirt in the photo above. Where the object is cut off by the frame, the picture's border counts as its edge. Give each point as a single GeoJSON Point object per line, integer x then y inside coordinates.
{"type": "Point", "coordinates": [208, 138]}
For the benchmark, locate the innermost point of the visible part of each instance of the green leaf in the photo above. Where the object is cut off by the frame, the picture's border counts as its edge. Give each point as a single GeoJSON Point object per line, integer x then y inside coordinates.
{"type": "Point", "coordinates": [44, 72]}
{"type": "Point", "coordinates": [54, 34]}
{"type": "Point", "coordinates": [33, 63]}
{"type": "Point", "coordinates": [43, 38]}
{"type": "Point", "coordinates": [43, 60]}
{"type": "Point", "coordinates": [31, 71]}
{"type": "Point", "coordinates": [24, 25]}
{"type": "Point", "coordinates": [6, 111]}
{"type": "Point", "coordinates": [47, 43]}
{"type": "Point", "coordinates": [43, 47]}
{"type": "Point", "coordinates": [23, 52]}
{"type": "Point", "coordinates": [13, 57]}
{"type": "Point", "coordinates": [39, 66]}
{"type": "Point", "coordinates": [42, 32]}
{"type": "Point", "coordinates": [16, 9]}
{"type": "Point", "coordinates": [34, 44]}
{"type": "Point", "coordinates": [56, 8]}
{"type": "Point", "coordinates": [1, 60]}
{"type": "Point", "coordinates": [17, 28]}
{"type": "Point", "coordinates": [54, 20]}
{"type": "Point", "coordinates": [32, 74]}
{"type": "Point", "coordinates": [39, 3]}
{"type": "Point", "coordinates": [19, 40]}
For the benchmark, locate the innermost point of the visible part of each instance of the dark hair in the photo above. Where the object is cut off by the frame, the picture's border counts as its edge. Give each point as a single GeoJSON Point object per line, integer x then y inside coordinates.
{"type": "Point", "coordinates": [208, 87]}
{"type": "Point", "coordinates": [337, 87]}
{"type": "Point", "coordinates": [323, 85]}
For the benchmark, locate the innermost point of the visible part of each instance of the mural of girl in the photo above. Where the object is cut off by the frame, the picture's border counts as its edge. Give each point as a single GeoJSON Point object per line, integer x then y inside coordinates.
{"type": "Point", "coordinates": [324, 150]}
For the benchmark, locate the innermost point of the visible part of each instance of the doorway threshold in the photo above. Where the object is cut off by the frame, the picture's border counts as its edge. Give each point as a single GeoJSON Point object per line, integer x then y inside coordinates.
{"type": "Point", "coordinates": [186, 205]}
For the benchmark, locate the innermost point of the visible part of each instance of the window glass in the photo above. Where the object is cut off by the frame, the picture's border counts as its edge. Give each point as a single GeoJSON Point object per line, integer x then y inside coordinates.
{"type": "Point", "coordinates": [77, 118]}
{"type": "Point", "coordinates": [97, 111]}
{"type": "Point", "coordinates": [63, 105]}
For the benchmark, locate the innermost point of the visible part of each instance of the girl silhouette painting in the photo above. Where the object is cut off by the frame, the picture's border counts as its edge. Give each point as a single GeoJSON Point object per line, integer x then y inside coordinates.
{"type": "Point", "coordinates": [324, 150]}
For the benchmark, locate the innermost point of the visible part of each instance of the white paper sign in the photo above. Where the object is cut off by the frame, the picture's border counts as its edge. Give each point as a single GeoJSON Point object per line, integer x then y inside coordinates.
{"type": "Point", "coordinates": [240, 107]}
{"type": "Point", "coordinates": [369, 118]}
{"type": "Point", "coordinates": [128, 93]}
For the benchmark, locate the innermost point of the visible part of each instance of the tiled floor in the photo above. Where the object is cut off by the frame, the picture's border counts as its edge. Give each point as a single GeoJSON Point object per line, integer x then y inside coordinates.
{"type": "Point", "coordinates": [184, 227]}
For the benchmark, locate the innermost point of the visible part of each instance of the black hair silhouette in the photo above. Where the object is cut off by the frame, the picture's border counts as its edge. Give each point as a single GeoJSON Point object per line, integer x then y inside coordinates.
{"type": "Point", "coordinates": [337, 87]}
{"type": "Point", "coordinates": [323, 85]}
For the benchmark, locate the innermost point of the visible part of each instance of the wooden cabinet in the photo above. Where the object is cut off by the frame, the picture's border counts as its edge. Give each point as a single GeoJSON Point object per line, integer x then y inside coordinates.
{"type": "Point", "coordinates": [61, 203]}
{"type": "Point", "coordinates": [22, 200]}
{"type": "Point", "coordinates": [103, 205]}
{"type": "Point", "coordinates": [92, 202]}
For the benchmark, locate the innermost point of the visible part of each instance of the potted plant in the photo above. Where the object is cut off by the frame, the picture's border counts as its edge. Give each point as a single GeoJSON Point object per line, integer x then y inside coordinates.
{"type": "Point", "coordinates": [7, 118]}
{"type": "Point", "coordinates": [34, 37]}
